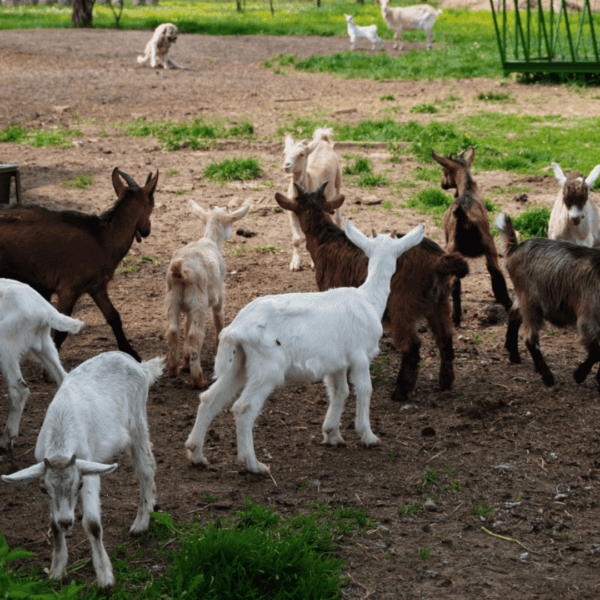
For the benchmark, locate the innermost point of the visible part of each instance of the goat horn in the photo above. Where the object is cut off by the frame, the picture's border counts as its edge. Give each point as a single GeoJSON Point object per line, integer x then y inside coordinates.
{"type": "Point", "coordinates": [299, 188]}
{"type": "Point", "coordinates": [321, 188]}
{"type": "Point", "coordinates": [131, 182]}
{"type": "Point", "coordinates": [460, 154]}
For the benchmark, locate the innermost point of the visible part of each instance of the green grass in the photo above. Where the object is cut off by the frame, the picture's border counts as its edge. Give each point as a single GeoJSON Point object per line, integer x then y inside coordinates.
{"type": "Point", "coordinates": [532, 223]}
{"type": "Point", "coordinates": [195, 133]}
{"type": "Point", "coordinates": [430, 201]}
{"type": "Point", "coordinates": [37, 137]}
{"type": "Point", "coordinates": [359, 166]}
{"type": "Point", "coordinates": [240, 169]}
{"type": "Point", "coordinates": [424, 108]}
{"type": "Point", "coordinates": [81, 181]}
{"type": "Point", "coordinates": [371, 180]}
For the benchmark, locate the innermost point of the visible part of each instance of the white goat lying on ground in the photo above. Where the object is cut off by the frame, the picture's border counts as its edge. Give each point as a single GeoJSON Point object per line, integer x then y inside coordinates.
{"type": "Point", "coordinates": [331, 335]}
{"type": "Point", "coordinates": [25, 323]}
{"type": "Point", "coordinates": [311, 165]}
{"type": "Point", "coordinates": [574, 218]}
{"type": "Point", "coordinates": [195, 283]}
{"type": "Point", "coordinates": [368, 31]}
{"type": "Point", "coordinates": [418, 16]}
{"type": "Point", "coordinates": [99, 411]}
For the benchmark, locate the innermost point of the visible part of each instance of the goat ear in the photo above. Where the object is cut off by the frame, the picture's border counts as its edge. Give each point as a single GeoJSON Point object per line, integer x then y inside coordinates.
{"type": "Point", "coordinates": [591, 178]}
{"type": "Point", "coordinates": [87, 467]}
{"type": "Point", "coordinates": [151, 183]}
{"type": "Point", "coordinates": [412, 238]}
{"type": "Point", "coordinates": [334, 203]}
{"type": "Point", "coordinates": [289, 141]}
{"type": "Point", "coordinates": [469, 156]}
{"type": "Point", "coordinates": [445, 162]}
{"type": "Point", "coordinates": [26, 475]}
{"type": "Point", "coordinates": [118, 184]}
{"type": "Point", "coordinates": [558, 174]}
{"type": "Point", "coordinates": [198, 211]}
{"type": "Point", "coordinates": [285, 202]}
{"type": "Point", "coordinates": [240, 213]}
{"type": "Point", "coordinates": [358, 238]}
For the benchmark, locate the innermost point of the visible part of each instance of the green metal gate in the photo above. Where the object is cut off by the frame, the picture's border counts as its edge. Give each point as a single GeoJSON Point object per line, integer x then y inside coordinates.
{"type": "Point", "coordinates": [546, 41]}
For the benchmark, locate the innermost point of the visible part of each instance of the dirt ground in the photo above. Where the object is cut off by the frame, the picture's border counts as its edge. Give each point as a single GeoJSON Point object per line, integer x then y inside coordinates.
{"type": "Point", "coordinates": [512, 443]}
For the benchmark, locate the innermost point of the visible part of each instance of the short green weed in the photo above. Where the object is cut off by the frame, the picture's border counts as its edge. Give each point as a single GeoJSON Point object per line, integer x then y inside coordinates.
{"type": "Point", "coordinates": [409, 509]}
{"type": "Point", "coordinates": [241, 169]}
{"type": "Point", "coordinates": [532, 223]}
{"type": "Point", "coordinates": [495, 97]}
{"type": "Point", "coordinates": [266, 249]}
{"type": "Point", "coordinates": [482, 509]}
{"type": "Point", "coordinates": [430, 477]}
{"type": "Point", "coordinates": [425, 552]}
{"type": "Point", "coordinates": [371, 180]}
{"type": "Point", "coordinates": [358, 166]}
{"type": "Point", "coordinates": [81, 181]}
{"type": "Point", "coordinates": [424, 108]}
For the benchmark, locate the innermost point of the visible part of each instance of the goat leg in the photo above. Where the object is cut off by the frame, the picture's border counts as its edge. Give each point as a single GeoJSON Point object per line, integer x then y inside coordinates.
{"type": "Point", "coordinates": [456, 305]}
{"type": "Point", "coordinates": [498, 282]}
{"type": "Point", "coordinates": [583, 370]}
{"type": "Point", "coordinates": [408, 373]}
{"type": "Point", "coordinates": [512, 334]}
{"type": "Point", "coordinates": [533, 345]}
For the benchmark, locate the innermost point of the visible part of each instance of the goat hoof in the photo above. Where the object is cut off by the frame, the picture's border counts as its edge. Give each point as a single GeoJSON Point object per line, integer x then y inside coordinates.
{"type": "Point", "coordinates": [515, 358]}
{"type": "Point", "coordinates": [579, 377]}
{"type": "Point", "coordinates": [172, 372]}
{"type": "Point", "coordinates": [399, 396]}
{"type": "Point", "coordinates": [371, 441]}
{"type": "Point", "coordinates": [548, 380]}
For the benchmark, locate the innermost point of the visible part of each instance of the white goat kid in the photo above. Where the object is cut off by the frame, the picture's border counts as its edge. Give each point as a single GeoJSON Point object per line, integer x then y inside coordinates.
{"type": "Point", "coordinates": [574, 217]}
{"type": "Point", "coordinates": [311, 165]}
{"type": "Point", "coordinates": [99, 411]}
{"type": "Point", "coordinates": [195, 284]}
{"type": "Point", "coordinates": [331, 335]}
{"type": "Point", "coordinates": [25, 322]}
{"type": "Point", "coordinates": [418, 16]}
{"type": "Point", "coordinates": [367, 31]}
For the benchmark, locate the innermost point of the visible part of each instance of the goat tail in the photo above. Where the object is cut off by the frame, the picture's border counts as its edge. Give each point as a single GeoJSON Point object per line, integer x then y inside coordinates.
{"type": "Point", "coordinates": [178, 272]}
{"type": "Point", "coordinates": [61, 322]}
{"type": "Point", "coordinates": [454, 264]}
{"type": "Point", "coordinates": [142, 59]}
{"type": "Point", "coordinates": [323, 133]}
{"type": "Point", "coordinates": [508, 234]}
{"type": "Point", "coordinates": [231, 357]}
{"type": "Point", "coordinates": [154, 368]}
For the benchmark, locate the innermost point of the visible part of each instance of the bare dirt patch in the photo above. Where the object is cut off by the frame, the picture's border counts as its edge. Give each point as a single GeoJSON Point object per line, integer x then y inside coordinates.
{"type": "Point", "coordinates": [511, 443]}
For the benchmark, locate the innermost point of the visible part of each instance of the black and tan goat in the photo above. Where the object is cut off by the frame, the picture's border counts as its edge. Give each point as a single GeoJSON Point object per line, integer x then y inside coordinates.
{"type": "Point", "coordinates": [554, 281]}
{"type": "Point", "coordinates": [467, 228]}
{"type": "Point", "coordinates": [420, 286]}
{"type": "Point", "coordinates": [71, 253]}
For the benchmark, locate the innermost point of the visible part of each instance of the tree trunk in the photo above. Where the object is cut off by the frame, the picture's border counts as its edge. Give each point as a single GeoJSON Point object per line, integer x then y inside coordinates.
{"type": "Point", "coordinates": [82, 13]}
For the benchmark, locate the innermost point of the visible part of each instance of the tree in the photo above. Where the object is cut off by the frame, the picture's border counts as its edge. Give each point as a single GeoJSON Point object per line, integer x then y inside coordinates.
{"type": "Point", "coordinates": [82, 13]}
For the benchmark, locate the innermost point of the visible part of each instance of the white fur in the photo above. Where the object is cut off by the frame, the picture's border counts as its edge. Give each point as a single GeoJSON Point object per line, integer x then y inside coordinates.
{"type": "Point", "coordinates": [311, 165]}
{"type": "Point", "coordinates": [574, 224]}
{"type": "Point", "coordinates": [99, 411]}
{"type": "Point", "coordinates": [367, 31]}
{"type": "Point", "coordinates": [331, 335]}
{"type": "Point", "coordinates": [418, 16]}
{"type": "Point", "coordinates": [25, 323]}
{"type": "Point", "coordinates": [195, 284]}
{"type": "Point", "coordinates": [157, 49]}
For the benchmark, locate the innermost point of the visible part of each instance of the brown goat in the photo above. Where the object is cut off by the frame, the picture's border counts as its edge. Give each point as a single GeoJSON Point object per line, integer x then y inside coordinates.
{"type": "Point", "coordinates": [71, 253]}
{"type": "Point", "coordinates": [420, 286]}
{"type": "Point", "coordinates": [467, 227]}
{"type": "Point", "coordinates": [555, 281]}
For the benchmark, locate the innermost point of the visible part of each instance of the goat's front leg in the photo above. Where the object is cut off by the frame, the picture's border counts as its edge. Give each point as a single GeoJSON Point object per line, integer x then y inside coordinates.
{"type": "Point", "coordinates": [90, 500]}
{"type": "Point", "coordinates": [18, 393]}
{"type": "Point", "coordinates": [67, 299]}
{"type": "Point", "coordinates": [218, 320]}
{"type": "Point", "coordinates": [111, 314]}
{"type": "Point", "coordinates": [398, 39]}
{"type": "Point", "coordinates": [296, 264]}
{"type": "Point", "coordinates": [245, 410]}
{"type": "Point", "coordinates": [359, 376]}
{"type": "Point", "coordinates": [337, 390]}
{"type": "Point", "coordinates": [145, 467]}
{"type": "Point", "coordinates": [60, 554]}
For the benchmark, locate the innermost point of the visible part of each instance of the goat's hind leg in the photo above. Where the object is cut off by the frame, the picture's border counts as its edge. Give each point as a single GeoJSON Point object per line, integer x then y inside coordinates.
{"type": "Point", "coordinates": [591, 344]}
{"type": "Point", "coordinates": [408, 344]}
{"type": "Point", "coordinates": [532, 340]}
{"type": "Point", "coordinates": [441, 328]}
{"type": "Point", "coordinates": [194, 340]}
{"type": "Point", "coordinates": [145, 467]}
{"type": "Point", "coordinates": [296, 264]}
{"type": "Point", "coordinates": [456, 303]}
{"type": "Point", "coordinates": [172, 334]}
{"type": "Point", "coordinates": [212, 402]}
{"type": "Point", "coordinates": [337, 390]}
{"type": "Point", "coordinates": [498, 281]}
{"type": "Point", "coordinates": [515, 319]}
{"type": "Point", "coordinates": [359, 376]}
{"type": "Point", "coordinates": [18, 393]}
{"type": "Point", "coordinates": [50, 359]}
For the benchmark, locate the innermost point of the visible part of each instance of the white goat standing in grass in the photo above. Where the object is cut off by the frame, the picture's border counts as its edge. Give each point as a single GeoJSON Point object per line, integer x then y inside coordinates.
{"type": "Point", "coordinates": [99, 411]}
{"type": "Point", "coordinates": [367, 31]}
{"type": "Point", "coordinates": [195, 284]}
{"type": "Point", "coordinates": [331, 335]}
{"type": "Point", "coordinates": [574, 216]}
{"type": "Point", "coordinates": [25, 322]}
{"type": "Point", "coordinates": [401, 18]}
{"type": "Point", "coordinates": [311, 165]}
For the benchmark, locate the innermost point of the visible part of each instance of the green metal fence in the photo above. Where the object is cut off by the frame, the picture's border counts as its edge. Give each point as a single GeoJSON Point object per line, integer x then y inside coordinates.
{"type": "Point", "coordinates": [534, 40]}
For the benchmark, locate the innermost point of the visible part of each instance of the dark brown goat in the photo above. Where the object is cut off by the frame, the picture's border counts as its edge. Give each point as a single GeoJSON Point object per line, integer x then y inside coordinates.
{"type": "Point", "coordinates": [70, 253]}
{"type": "Point", "coordinates": [420, 286]}
{"type": "Point", "coordinates": [555, 281]}
{"type": "Point", "coordinates": [467, 227]}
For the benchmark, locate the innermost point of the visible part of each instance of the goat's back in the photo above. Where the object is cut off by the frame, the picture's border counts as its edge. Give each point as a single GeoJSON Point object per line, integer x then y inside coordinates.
{"type": "Point", "coordinates": [198, 264]}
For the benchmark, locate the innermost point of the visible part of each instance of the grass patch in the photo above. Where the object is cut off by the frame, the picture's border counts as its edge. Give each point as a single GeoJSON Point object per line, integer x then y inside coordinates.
{"type": "Point", "coordinates": [532, 223]}
{"type": "Point", "coordinates": [431, 201]}
{"type": "Point", "coordinates": [359, 166]}
{"type": "Point", "coordinates": [495, 97]}
{"type": "Point", "coordinates": [424, 108]}
{"type": "Point", "coordinates": [371, 180]}
{"type": "Point", "coordinates": [239, 169]}
{"type": "Point", "coordinates": [196, 133]}
{"type": "Point", "coordinates": [39, 138]}
{"type": "Point", "coordinates": [81, 181]}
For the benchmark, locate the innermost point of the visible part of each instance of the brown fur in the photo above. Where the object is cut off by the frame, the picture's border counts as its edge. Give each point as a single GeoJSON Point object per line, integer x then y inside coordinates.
{"type": "Point", "coordinates": [555, 281]}
{"type": "Point", "coordinates": [71, 253]}
{"type": "Point", "coordinates": [419, 288]}
{"type": "Point", "coordinates": [467, 228]}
